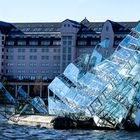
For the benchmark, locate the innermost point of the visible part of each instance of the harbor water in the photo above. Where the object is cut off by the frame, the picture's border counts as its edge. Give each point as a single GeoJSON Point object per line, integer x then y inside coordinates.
{"type": "Point", "coordinates": [8, 132]}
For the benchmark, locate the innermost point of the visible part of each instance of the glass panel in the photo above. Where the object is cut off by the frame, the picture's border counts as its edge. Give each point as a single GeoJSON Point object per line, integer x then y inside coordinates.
{"type": "Point", "coordinates": [105, 92]}
{"type": "Point", "coordinates": [137, 28]}
{"type": "Point", "coordinates": [72, 72]}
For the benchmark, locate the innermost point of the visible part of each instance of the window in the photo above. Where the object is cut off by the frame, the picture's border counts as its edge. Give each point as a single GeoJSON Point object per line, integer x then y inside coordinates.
{"type": "Point", "coordinates": [44, 71]}
{"type": "Point", "coordinates": [45, 43]}
{"type": "Point", "coordinates": [9, 71]}
{"type": "Point", "coordinates": [32, 77]}
{"type": "Point", "coordinates": [56, 50]}
{"type": "Point", "coordinates": [64, 57]}
{"type": "Point", "coordinates": [33, 43]}
{"type": "Point", "coordinates": [2, 37]}
{"type": "Point", "coordinates": [56, 57]}
{"type": "Point", "coordinates": [21, 57]}
{"type": "Point", "coordinates": [10, 57]}
{"type": "Point", "coordinates": [45, 57]}
{"type": "Point", "coordinates": [69, 50]}
{"type": "Point", "coordinates": [37, 29]}
{"type": "Point", "coordinates": [107, 28]}
{"type": "Point", "coordinates": [33, 57]}
{"type": "Point", "coordinates": [67, 40]}
{"type": "Point", "coordinates": [11, 50]}
{"type": "Point", "coordinates": [26, 29]}
{"type": "Point", "coordinates": [33, 50]}
{"type": "Point", "coordinates": [21, 43]}
{"type": "Point", "coordinates": [64, 42]}
{"type": "Point", "coordinates": [56, 71]}
{"type": "Point", "coordinates": [44, 64]}
{"type": "Point", "coordinates": [56, 64]}
{"type": "Point", "coordinates": [63, 64]}
{"type": "Point", "coordinates": [21, 64]}
{"type": "Point", "coordinates": [94, 42]}
{"type": "Point", "coordinates": [82, 43]}
{"type": "Point", "coordinates": [10, 43]}
{"type": "Point", "coordinates": [9, 64]}
{"type": "Point", "coordinates": [33, 64]}
{"type": "Point", "coordinates": [82, 50]}
{"type": "Point", "coordinates": [45, 50]}
{"type": "Point", "coordinates": [35, 36]}
{"type": "Point", "coordinates": [83, 36]}
{"type": "Point", "coordinates": [21, 50]}
{"type": "Point", "coordinates": [64, 50]}
{"type": "Point", "coordinates": [33, 71]}
{"type": "Point", "coordinates": [69, 57]}
{"type": "Point", "coordinates": [56, 43]}
{"type": "Point", "coordinates": [20, 71]}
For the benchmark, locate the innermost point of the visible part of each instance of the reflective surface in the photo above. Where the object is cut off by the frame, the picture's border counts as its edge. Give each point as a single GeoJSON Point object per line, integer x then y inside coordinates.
{"type": "Point", "coordinates": [104, 90]}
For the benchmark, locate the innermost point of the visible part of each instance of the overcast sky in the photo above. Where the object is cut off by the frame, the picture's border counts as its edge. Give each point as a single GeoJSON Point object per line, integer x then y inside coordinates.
{"type": "Point", "coordinates": [59, 10]}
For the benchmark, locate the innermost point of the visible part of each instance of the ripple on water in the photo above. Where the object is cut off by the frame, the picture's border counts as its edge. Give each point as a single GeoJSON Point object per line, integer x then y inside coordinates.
{"type": "Point", "coordinates": [33, 133]}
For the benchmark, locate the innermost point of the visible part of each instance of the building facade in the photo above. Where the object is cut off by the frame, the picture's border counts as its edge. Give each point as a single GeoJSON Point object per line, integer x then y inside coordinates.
{"type": "Point", "coordinates": [30, 51]}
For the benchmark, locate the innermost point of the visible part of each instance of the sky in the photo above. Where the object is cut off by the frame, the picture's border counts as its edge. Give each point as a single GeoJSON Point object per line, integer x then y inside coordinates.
{"type": "Point", "coordinates": [59, 10]}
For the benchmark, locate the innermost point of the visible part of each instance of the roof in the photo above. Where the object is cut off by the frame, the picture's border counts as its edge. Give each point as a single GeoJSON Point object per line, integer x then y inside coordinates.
{"type": "Point", "coordinates": [48, 27]}
{"type": "Point", "coordinates": [122, 26]}
{"type": "Point", "coordinates": [85, 21]}
{"type": "Point", "coordinates": [5, 27]}
{"type": "Point", "coordinates": [85, 30]}
{"type": "Point", "coordinates": [128, 25]}
{"type": "Point", "coordinates": [36, 27]}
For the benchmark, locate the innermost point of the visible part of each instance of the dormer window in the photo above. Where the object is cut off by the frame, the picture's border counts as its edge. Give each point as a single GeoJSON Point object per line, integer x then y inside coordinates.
{"type": "Point", "coordinates": [107, 28]}
{"type": "Point", "coordinates": [10, 43]}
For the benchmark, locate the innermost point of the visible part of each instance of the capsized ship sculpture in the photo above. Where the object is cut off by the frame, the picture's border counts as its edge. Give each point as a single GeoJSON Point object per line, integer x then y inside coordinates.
{"type": "Point", "coordinates": [107, 90]}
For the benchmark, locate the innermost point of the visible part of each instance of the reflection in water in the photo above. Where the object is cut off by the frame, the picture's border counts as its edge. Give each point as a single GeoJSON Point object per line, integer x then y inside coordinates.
{"type": "Point", "coordinates": [23, 133]}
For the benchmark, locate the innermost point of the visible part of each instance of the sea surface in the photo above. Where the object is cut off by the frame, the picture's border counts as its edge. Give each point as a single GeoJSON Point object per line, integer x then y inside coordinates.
{"type": "Point", "coordinates": [16, 132]}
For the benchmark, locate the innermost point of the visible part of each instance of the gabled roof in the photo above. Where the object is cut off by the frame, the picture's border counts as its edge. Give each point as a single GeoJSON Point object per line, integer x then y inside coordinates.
{"type": "Point", "coordinates": [128, 25]}
{"type": "Point", "coordinates": [85, 22]}
{"type": "Point", "coordinates": [5, 27]}
{"type": "Point", "coordinates": [121, 26]}
{"type": "Point", "coordinates": [75, 22]}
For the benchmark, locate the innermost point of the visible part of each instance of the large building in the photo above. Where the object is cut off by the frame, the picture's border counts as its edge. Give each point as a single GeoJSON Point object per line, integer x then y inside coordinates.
{"type": "Point", "coordinates": [42, 50]}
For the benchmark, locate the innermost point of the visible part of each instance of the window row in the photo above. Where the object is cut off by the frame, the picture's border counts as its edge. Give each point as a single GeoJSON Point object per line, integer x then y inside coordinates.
{"type": "Point", "coordinates": [32, 64]}
{"type": "Point", "coordinates": [22, 50]}
{"type": "Point", "coordinates": [32, 77]}
{"type": "Point", "coordinates": [22, 71]}
{"type": "Point", "coordinates": [31, 57]}
{"type": "Point", "coordinates": [89, 36]}
{"type": "Point", "coordinates": [85, 43]}
{"type": "Point", "coordinates": [34, 43]}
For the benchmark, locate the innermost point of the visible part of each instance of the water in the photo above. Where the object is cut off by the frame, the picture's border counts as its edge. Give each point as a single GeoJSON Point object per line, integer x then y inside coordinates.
{"type": "Point", "coordinates": [8, 132]}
